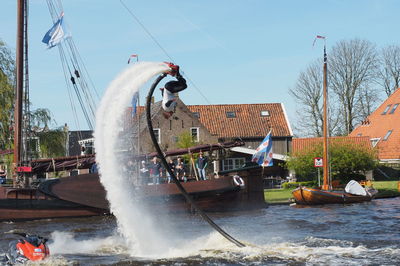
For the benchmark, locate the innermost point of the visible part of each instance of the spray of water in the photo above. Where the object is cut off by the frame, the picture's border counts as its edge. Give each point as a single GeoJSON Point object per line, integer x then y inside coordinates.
{"type": "Point", "coordinates": [134, 223]}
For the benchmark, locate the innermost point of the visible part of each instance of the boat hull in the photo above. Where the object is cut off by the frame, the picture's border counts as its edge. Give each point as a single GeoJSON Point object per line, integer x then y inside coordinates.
{"type": "Point", "coordinates": [314, 196]}
{"type": "Point", "coordinates": [220, 194]}
{"type": "Point", "coordinates": [28, 204]}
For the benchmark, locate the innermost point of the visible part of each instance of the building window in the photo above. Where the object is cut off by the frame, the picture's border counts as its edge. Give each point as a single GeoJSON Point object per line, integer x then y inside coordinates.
{"type": "Point", "coordinates": [387, 135]}
{"type": "Point", "coordinates": [394, 108]}
{"type": "Point", "coordinates": [359, 134]}
{"type": "Point", "coordinates": [264, 113]}
{"type": "Point", "coordinates": [374, 141]}
{"type": "Point", "coordinates": [386, 109]}
{"type": "Point", "coordinates": [196, 114]}
{"type": "Point", "coordinates": [157, 132]}
{"type": "Point", "coordinates": [232, 163]}
{"type": "Point", "coordinates": [230, 114]}
{"type": "Point", "coordinates": [194, 132]}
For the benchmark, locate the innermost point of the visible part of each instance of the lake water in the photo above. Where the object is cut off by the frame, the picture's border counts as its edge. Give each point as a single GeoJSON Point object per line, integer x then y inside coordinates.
{"type": "Point", "coordinates": [359, 234]}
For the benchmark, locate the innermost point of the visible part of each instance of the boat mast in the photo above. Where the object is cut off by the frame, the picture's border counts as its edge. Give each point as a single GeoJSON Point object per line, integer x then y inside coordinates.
{"type": "Point", "coordinates": [326, 184]}
{"type": "Point", "coordinates": [21, 6]}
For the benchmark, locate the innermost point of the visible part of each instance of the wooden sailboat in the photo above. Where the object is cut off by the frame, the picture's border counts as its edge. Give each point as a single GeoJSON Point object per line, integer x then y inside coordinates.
{"type": "Point", "coordinates": [83, 195]}
{"type": "Point", "coordinates": [22, 200]}
{"type": "Point", "coordinates": [326, 195]}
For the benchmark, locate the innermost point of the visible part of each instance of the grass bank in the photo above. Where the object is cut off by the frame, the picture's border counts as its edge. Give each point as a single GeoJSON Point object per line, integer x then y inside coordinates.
{"type": "Point", "coordinates": [385, 188]}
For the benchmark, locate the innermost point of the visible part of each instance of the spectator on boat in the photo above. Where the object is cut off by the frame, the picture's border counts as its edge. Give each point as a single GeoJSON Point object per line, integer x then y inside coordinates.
{"type": "Point", "coordinates": [144, 172]}
{"type": "Point", "coordinates": [201, 165]}
{"type": "Point", "coordinates": [168, 93]}
{"type": "Point", "coordinates": [83, 150]}
{"type": "Point", "coordinates": [93, 169]}
{"type": "Point", "coordinates": [171, 166]}
{"type": "Point", "coordinates": [180, 170]}
{"type": "Point", "coordinates": [155, 171]}
{"type": "Point", "coordinates": [3, 175]}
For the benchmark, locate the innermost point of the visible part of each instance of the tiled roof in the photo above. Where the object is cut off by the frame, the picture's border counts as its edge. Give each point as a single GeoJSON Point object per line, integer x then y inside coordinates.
{"type": "Point", "coordinates": [302, 144]}
{"type": "Point", "coordinates": [248, 121]}
{"type": "Point", "coordinates": [377, 125]}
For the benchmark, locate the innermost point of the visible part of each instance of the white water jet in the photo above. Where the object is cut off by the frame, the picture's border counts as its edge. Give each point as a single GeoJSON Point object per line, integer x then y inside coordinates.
{"type": "Point", "coordinates": [134, 223]}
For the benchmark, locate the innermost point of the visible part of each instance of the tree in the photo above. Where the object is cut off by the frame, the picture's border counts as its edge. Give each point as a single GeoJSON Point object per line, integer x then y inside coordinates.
{"type": "Point", "coordinates": [347, 161]}
{"type": "Point", "coordinates": [7, 79]}
{"type": "Point", "coordinates": [52, 143]}
{"type": "Point", "coordinates": [353, 67]}
{"type": "Point", "coordinates": [308, 94]}
{"type": "Point", "coordinates": [389, 74]}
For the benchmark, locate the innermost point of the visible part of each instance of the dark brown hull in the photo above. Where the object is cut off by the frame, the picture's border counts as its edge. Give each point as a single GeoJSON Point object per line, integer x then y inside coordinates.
{"type": "Point", "coordinates": [313, 196]}
{"type": "Point", "coordinates": [28, 204]}
{"type": "Point", "coordinates": [83, 195]}
{"type": "Point", "coordinates": [211, 195]}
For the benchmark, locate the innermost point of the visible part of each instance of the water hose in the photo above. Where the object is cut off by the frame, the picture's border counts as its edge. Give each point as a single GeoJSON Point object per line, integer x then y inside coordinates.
{"type": "Point", "coordinates": [172, 174]}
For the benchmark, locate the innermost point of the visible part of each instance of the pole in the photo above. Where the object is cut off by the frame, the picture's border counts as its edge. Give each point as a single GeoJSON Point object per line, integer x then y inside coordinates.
{"type": "Point", "coordinates": [326, 184]}
{"type": "Point", "coordinates": [19, 84]}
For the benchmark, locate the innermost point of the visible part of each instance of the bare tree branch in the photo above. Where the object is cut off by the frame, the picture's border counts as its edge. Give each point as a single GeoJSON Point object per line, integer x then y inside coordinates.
{"type": "Point", "coordinates": [353, 65]}
{"type": "Point", "coordinates": [389, 74]}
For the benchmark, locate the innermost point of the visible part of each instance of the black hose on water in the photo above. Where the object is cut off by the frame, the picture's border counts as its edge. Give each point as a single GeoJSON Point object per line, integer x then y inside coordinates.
{"type": "Point", "coordinates": [172, 175]}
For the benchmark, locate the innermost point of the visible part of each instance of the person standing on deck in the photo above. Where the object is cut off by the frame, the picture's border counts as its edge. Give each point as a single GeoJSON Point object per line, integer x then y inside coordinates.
{"type": "Point", "coordinates": [155, 171]}
{"type": "Point", "coordinates": [180, 170]}
{"type": "Point", "coordinates": [3, 175]}
{"type": "Point", "coordinates": [171, 165]}
{"type": "Point", "coordinates": [201, 164]}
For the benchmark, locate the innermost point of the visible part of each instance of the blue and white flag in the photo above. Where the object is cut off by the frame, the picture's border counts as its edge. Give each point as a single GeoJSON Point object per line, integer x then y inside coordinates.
{"type": "Point", "coordinates": [56, 34]}
{"type": "Point", "coordinates": [263, 154]}
{"type": "Point", "coordinates": [135, 100]}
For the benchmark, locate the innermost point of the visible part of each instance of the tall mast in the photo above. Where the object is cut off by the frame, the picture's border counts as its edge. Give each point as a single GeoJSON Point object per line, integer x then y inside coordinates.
{"type": "Point", "coordinates": [21, 5]}
{"type": "Point", "coordinates": [326, 184]}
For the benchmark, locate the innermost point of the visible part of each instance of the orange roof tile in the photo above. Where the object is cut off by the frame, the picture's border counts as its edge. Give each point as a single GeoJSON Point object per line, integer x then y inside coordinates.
{"type": "Point", "coordinates": [301, 144]}
{"type": "Point", "coordinates": [377, 125]}
{"type": "Point", "coordinates": [248, 121]}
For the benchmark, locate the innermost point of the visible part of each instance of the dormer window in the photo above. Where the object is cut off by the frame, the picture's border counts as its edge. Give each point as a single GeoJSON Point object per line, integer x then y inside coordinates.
{"type": "Point", "coordinates": [230, 114]}
{"type": "Point", "coordinates": [264, 113]}
{"type": "Point", "coordinates": [196, 114]}
{"type": "Point", "coordinates": [394, 108]}
{"type": "Point", "coordinates": [386, 109]}
{"type": "Point", "coordinates": [374, 141]}
{"type": "Point", "coordinates": [387, 135]}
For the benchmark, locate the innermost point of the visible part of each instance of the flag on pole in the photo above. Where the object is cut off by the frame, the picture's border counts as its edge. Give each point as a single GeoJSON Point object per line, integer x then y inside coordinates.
{"type": "Point", "coordinates": [56, 34]}
{"type": "Point", "coordinates": [135, 99]}
{"type": "Point", "coordinates": [133, 56]}
{"type": "Point", "coordinates": [263, 154]}
{"type": "Point", "coordinates": [318, 37]}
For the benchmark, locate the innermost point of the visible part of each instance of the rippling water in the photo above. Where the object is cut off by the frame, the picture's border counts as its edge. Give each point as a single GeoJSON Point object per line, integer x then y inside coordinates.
{"type": "Point", "coordinates": [359, 234]}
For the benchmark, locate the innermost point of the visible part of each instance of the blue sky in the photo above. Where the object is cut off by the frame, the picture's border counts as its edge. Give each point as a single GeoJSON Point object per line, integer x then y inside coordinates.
{"type": "Point", "coordinates": [234, 51]}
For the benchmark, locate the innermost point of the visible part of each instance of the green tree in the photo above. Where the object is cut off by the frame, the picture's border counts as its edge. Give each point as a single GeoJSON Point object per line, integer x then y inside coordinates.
{"type": "Point", "coordinates": [185, 140]}
{"type": "Point", "coordinates": [7, 79]}
{"type": "Point", "coordinates": [347, 161]}
{"type": "Point", "coordinates": [52, 143]}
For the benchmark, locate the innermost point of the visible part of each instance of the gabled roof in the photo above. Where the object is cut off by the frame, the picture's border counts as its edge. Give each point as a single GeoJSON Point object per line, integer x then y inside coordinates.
{"type": "Point", "coordinates": [248, 121]}
{"type": "Point", "coordinates": [379, 123]}
{"type": "Point", "coordinates": [302, 144]}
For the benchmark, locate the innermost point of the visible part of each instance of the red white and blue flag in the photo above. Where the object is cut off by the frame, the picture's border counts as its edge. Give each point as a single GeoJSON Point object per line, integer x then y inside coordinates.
{"type": "Point", "coordinates": [263, 154]}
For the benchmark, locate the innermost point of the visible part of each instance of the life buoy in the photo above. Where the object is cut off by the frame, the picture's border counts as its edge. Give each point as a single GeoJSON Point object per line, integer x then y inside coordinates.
{"type": "Point", "coordinates": [238, 181]}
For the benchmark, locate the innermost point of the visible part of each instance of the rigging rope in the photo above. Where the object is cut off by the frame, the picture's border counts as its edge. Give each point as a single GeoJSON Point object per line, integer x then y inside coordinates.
{"type": "Point", "coordinates": [162, 48]}
{"type": "Point", "coordinates": [72, 66]}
